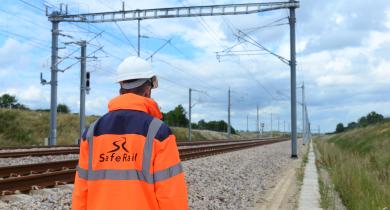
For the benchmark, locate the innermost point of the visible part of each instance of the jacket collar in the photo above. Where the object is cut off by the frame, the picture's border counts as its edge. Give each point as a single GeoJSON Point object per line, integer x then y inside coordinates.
{"type": "Point", "coordinates": [135, 102]}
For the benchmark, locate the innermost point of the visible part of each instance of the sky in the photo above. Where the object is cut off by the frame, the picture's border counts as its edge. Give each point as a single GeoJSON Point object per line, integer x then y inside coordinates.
{"type": "Point", "coordinates": [343, 58]}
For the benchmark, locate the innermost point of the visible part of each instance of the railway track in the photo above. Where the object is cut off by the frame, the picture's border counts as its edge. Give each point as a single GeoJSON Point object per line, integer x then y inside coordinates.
{"type": "Point", "coordinates": [7, 152]}
{"type": "Point", "coordinates": [36, 176]}
{"type": "Point", "coordinates": [179, 143]}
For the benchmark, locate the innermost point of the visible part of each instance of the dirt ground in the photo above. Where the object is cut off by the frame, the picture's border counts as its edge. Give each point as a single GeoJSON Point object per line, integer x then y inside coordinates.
{"type": "Point", "coordinates": [285, 194]}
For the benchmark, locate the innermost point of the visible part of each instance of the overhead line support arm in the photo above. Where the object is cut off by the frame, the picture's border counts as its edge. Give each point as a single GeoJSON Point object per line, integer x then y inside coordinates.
{"type": "Point", "coordinates": [174, 12]}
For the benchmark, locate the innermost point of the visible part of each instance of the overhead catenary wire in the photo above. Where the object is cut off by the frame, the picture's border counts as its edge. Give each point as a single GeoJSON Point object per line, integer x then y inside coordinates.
{"type": "Point", "coordinates": [268, 25]}
{"type": "Point", "coordinates": [13, 15]}
{"type": "Point", "coordinates": [207, 28]}
{"type": "Point", "coordinates": [124, 35]}
{"type": "Point", "coordinates": [228, 51]}
{"type": "Point", "coordinates": [200, 80]}
{"type": "Point", "coordinates": [87, 30]}
{"type": "Point", "coordinates": [31, 5]}
{"type": "Point", "coordinates": [79, 60]}
{"type": "Point", "coordinates": [30, 40]}
{"type": "Point", "coordinates": [72, 53]}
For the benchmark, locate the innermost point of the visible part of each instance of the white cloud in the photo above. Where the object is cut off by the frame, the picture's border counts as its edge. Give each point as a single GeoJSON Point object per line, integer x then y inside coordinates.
{"type": "Point", "coordinates": [343, 56]}
{"type": "Point", "coordinates": [337, 80]}
{"type": "Point", "coordinates": [29, 95]}
{"type": "Point", "coordinates": [339, 19]}
{"type": "Point", "coordinates": [12, 52]}
{"type": "Point", "coordinates": [382, 73]}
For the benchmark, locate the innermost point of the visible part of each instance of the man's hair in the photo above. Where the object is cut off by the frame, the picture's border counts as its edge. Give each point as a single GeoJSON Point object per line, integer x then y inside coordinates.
{"type": "Point", "coordinates": [140, 90]}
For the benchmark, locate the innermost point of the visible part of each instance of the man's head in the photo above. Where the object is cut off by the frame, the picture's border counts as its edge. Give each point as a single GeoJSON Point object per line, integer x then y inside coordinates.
{"type": "Point", "coordinates": [135, 75]}
{"type": "Point", "coordinates": [145, 89]}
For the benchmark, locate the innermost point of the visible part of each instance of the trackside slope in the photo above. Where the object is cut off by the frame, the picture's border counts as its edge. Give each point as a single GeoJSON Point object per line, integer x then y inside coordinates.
{"type": "Point", "coordinates": [358, 162]}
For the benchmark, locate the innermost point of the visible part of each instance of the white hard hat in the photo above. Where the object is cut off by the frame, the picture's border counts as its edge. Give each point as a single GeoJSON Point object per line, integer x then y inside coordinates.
{"type": "Point", "coordinates": [135, 68]}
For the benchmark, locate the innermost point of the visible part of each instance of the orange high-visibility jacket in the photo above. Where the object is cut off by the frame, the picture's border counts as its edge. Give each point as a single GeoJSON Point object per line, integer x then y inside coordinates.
{"type": "Point", "coordinates": [129, 160]}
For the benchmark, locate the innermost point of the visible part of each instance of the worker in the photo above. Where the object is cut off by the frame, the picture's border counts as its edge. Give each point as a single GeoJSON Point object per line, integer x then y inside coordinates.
{"type": "Point", "coordinates": [129, 157]}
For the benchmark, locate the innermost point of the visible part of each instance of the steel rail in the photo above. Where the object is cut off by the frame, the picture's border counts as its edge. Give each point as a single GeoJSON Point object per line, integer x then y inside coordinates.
{"type": "Point", "coordinates": [179, 143]}
{"type": "Point", "coordinates": [185, 153]}
{"type": "Point", "coordinates": [73, 149]}
{"type": "Point", "coordinates": [42, 175]}
{"type": "Point", "coordinates": [14, 154]}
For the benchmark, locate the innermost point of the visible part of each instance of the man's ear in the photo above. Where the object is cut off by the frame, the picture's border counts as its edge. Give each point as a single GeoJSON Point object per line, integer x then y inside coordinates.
{"type": "Point", "coordinates": [148, 92]}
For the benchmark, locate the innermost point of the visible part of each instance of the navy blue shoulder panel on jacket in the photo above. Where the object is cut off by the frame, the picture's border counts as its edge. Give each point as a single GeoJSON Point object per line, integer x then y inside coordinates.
{"type": "Point", "coordinates": [163, 132]}
{"type": "Point", "coordinates": [128, 122]}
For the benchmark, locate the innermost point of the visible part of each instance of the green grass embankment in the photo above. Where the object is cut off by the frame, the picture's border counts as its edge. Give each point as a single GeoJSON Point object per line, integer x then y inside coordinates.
{"type": "Point", "coordinates": [358, 162]}
{"type": "Point", "coordinates": [20, 127]}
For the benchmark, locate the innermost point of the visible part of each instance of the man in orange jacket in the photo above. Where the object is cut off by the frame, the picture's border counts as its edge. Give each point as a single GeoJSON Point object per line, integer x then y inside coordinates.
{"type": "Point", "coordinates": [128, 157]}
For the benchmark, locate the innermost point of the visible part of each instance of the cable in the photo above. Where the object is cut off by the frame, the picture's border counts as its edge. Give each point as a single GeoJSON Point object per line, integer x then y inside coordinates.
{"type": "Point", "coordinates": [79, 60]}
{"type": "Point", "coordinates": [160, 48]}
{"type": "Point", "coordinates": [76, 50]}
{"type": "Point", "coordinates": [201, 81]}
{"type": "Point", "coordinates": [205, 26]}
{"type": "Point", "coordinates": [268, 25]}
{"type": "Point", "coordinates": [178, 50]}
{"type": "Point", "coordinates": [23, 19]}
{"type": "Point", "coordinates": [232, 28]}
{"type": "Point", "coordinates": [31, 5]}
{"type": "Point", "coordinates": [30, 39]}
{"type": "Point", "coordinates": [90, 31]}
{"type": "Point", "coordinates": [124, 35]}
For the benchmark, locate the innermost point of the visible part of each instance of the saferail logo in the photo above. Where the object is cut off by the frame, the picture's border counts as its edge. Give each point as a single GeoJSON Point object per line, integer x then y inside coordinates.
{"type": "Point", "coordinates": [114, 155]}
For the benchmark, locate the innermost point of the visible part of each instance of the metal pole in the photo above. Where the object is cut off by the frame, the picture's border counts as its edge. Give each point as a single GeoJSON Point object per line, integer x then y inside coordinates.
{"type": "Point", "coordinates": [271, 125]}
{"type": "Point", "coordinates": [247, 130]}
{"type": "Point", "coordinates": [83, 62]}
{"type": "Point", "coordinates": [53, 83]}
{"type": "Point", "coordinates": [303, 114]}
{"type": "Point", "coordinates": [262, 129]}
{"type": "Point", "coordinates": [278, 124]}
{"type": "Point", "coordinates": [228, 128]}
{"type": "Point", "coordinates": [293, 84]}
{"type": "Point", "coordinates": [139, 37]}
{"type": "Point", "coordinates": [189, 115]}
{"type": "Point", "coordinates": [284, 126]}
{"type": "Point", "coordinates": [257, 122]}
{"type": "Point", "coordinates": [319, 130]}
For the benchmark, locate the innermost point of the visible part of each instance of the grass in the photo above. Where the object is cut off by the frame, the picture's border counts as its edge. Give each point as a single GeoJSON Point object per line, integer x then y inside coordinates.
{"type": "Point", "coordinates": [329, 197]}
{"type": "Point", "coordinates": [325, 190]}
{"type": "Point", "coordinates": [301, 169]}
{"type": "Point", "coordinates": [197, 135]}
{"type": "Point", "coordinates": [358, 163]}
{"type": "Point", "coordinates": [20, 127]}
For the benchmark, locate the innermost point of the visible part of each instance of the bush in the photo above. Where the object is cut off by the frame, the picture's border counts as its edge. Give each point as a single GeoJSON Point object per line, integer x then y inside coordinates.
{"type": "Point", "coordinates": [340, 128]}
{"type": "Point", "coordinates": [12, 131]}
{"type": "Point", "coordinates": [370, 119]}
{"type": "Point", "coordinates": [63, 108]}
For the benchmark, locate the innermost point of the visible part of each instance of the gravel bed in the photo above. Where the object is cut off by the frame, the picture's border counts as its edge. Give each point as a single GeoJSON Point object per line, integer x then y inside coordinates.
{"type": "Point", "coordinates": [36, 159]}
{"type": "Point", "coordinates": [34, 149]}
{"type": "Point", "coordinates": [50, 199]}
{"type": "Point", "coordinates": [209, 145]}
{"type": "Point", "coordinates": [233, 180]}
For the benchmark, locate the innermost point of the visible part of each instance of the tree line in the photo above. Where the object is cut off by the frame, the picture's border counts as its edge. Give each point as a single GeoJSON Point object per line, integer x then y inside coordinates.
{"type": "Point", "coordinates": [176, 117]}
{"type": "Point", "coordinates": [369, 119]}
{"type": "Point", "coordinates": [10, 102]}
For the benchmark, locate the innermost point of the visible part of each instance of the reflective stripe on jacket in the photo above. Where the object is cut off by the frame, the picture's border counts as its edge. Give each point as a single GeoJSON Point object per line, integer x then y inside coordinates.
{"type": "Point", "coordinates": [129, 160]}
